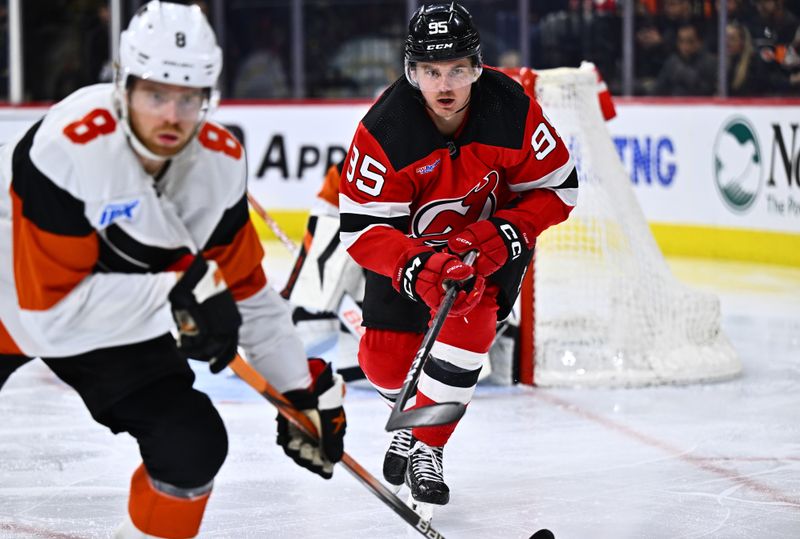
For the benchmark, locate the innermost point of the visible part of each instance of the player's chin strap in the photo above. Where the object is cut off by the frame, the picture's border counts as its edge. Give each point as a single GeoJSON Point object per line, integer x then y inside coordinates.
{"type": "Point", "coordinates": [139, 147]}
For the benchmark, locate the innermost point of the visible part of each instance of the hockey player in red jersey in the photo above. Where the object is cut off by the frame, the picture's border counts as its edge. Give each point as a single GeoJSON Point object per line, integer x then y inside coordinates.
{"type": "Point", "coordinates": [452, 158]}
{"type": "Point", "coordinates": [123, 216]}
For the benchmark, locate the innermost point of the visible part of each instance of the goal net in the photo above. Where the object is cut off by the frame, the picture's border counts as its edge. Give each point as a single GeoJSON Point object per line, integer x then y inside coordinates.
{"type": "Point", "coordinates": [601, 307]}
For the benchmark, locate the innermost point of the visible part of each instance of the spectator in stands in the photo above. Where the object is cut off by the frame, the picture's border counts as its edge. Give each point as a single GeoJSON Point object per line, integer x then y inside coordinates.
{"type": "Point", "coordinates": [649, 55]}
{"type": "Point", "coordinates": [675, 14]}
{"type": "Point", "coordinates": [691, 70]}
{"type": "Point", "coordinates": [774, 28]}
{"type": "Point", "coordinates": [261, 74]}
{"type": "Point", "coordinates": [738, 11]}
{"type": "Point", "coordinates": [96, 53]}
{"type": "Point", "coordinates": [746, 76]}
{"type": "Point", "coordinates": [792, 63]}
{"type": "Point", "coordinates": [773, 32]}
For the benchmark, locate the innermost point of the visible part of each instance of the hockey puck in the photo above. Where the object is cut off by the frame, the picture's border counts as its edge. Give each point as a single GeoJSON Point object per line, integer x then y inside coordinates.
{"type": "Point", "coordinates": [543, 534]}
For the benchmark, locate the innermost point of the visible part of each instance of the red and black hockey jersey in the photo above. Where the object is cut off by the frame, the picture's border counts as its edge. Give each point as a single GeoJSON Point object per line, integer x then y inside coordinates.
{"type": "Point", "coordinates": [405, 183]}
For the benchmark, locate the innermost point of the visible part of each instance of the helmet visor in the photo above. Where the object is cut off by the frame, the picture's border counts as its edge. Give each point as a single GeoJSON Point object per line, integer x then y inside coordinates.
{"type": "Point", "coordinates": [442, 76]}
{"type": "Point", "coordinates": [184, 104]}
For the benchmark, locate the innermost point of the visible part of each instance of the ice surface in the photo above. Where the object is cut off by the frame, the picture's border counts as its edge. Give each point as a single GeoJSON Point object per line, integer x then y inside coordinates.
{"type": "Point", "coordinates": [702, 461]}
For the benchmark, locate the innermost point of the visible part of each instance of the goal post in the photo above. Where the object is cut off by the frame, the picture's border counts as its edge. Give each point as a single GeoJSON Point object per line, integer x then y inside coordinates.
{"type": "Point", "coordinates": [599, 305]}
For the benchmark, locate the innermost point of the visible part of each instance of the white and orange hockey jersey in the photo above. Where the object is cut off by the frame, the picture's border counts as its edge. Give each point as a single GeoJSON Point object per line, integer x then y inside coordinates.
{"type": "Point", "coordinates": [89, 241]}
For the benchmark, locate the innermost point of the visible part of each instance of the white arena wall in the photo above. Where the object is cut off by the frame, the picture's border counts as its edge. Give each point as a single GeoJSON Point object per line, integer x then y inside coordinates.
{"type": "Point", "coordinates": [714, 178]}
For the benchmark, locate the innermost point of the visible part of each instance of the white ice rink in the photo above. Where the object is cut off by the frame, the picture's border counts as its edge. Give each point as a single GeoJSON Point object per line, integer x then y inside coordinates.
{"type": "Point", "coordinates": [703, 461]}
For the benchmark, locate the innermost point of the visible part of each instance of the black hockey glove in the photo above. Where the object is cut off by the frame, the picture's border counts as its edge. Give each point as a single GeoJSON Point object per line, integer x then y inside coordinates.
{"type": "Point", "coordinates": [322, 403]}
{"type": "Point", "coordinates": [206, 314]}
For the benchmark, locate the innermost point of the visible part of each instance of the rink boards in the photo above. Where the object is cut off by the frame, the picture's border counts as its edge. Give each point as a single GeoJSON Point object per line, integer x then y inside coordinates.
{"type": "Point", "coordinates": [714, 178]}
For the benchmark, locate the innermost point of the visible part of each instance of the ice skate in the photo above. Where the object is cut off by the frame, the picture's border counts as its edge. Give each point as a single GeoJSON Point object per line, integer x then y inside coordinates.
{"type": "Point", "coordinates": [396, 459]}
{"type": "Point", "coordinates": [425, 478]}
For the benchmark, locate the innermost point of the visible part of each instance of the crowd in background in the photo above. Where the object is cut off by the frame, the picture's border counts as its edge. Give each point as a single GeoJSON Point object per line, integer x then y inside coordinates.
{"type": "Point", "coordinates": [353, 48]}
{"type": "Point", "coordinates": [676, 48]}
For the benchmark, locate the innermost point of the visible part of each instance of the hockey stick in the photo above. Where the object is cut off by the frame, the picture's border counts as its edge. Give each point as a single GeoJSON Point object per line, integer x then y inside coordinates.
{"type": "Point", "coordinates": [246, 372]}
{"type": "Point", "coordinates": [349, 313]}
{"type": "Point", "coordinates": [273, 225]}
{"type": "Point", "coordinates": [434, 414]}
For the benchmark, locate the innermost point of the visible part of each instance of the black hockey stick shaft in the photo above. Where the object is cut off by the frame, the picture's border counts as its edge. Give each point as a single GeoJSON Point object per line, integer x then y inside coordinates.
{"type": "Point", "coordinates": [435, 414]}
{"type": "Point", "coordinates": [254, 379]}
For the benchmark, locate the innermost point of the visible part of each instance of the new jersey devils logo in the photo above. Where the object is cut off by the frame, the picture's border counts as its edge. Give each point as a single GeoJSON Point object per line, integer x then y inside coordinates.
{"type": "Point", "coordinates": [436, 220]}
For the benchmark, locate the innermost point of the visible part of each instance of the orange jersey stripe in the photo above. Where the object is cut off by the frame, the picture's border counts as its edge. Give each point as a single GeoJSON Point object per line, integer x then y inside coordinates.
{"type": "Point", "coordinates": [240, 262]}
{"type": "Point", "coordinates": [48, 266]}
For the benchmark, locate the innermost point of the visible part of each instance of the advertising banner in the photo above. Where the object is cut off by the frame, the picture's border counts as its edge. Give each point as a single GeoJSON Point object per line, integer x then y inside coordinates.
{"type": "Point", "coordinates": [690, 163]}
{"type": "Point", "coordinates": [290, 147]}
{"type": "Point", "coordinates": [712, 164]}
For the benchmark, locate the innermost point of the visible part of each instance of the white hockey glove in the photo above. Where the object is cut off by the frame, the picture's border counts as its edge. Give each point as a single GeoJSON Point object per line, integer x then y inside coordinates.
{"type": "Point", "coordinates": [322, 403]}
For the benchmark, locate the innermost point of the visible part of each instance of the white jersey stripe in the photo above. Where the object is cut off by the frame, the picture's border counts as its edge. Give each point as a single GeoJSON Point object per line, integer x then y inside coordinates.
{"type": "Point", "coordinates": [439, 392]}
{"type": "Point", "coordinates": [386, 210]}
{"type": "Point", "coordinates": [459, 357]}
{"type": "Point", "coordinates": [349, 238]}
{"type": "Point", "coordinates": [554, 179]}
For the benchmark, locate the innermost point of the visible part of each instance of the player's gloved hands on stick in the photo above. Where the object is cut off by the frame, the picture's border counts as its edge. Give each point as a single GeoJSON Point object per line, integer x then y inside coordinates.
{"type": "Point", "coordinates": [322, 403]}
{"type": "Point", "coordinates": [206, 314]}
{"type": "Point", "coordinates": [424, 276]}
{"type": "Point", "coordinates": [496, 240]}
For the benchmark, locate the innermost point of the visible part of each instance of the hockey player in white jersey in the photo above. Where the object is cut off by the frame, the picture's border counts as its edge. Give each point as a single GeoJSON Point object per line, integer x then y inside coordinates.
{"type": "Point", "coordinates": [123, 216]}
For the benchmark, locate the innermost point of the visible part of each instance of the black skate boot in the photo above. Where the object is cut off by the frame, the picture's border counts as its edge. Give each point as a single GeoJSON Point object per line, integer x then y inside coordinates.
{"type": "Point", "coordinates": [396, 459]}
{"type": "Point", "coordinates": [425, 478]}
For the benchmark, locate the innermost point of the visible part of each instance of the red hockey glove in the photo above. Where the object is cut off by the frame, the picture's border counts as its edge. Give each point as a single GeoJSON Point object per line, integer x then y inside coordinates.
{"type": "Point", "coordinates": [424, 277]}
{"type": "Point", "coordinates": [496, 240]}
{"type": "Point", "coordinates": [322, 403]}
{"type": "Point", "coordinates": [206, 314]}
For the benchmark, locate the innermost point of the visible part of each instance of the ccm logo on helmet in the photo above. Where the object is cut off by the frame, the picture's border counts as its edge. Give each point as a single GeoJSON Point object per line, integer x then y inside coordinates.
{"type": "Point", "coordinates": [439, 46]}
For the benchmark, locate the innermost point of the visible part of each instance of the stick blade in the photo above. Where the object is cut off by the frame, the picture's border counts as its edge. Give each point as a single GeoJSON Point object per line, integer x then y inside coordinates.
{"type": "Point", "coordinates": [426, 416]}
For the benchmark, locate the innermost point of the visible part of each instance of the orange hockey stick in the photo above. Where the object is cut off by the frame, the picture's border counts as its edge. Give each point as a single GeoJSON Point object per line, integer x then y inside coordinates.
{"type": "Point", "coordinates": [254, 379]}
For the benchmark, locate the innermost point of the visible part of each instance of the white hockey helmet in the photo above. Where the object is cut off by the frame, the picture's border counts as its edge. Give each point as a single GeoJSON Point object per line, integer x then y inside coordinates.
{"type": "Point", "coordinates": [172, 44]}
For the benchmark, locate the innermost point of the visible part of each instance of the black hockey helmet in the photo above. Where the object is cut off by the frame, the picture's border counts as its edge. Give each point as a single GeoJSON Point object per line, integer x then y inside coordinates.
{"type": "Point", "coordinates": [442, 31]}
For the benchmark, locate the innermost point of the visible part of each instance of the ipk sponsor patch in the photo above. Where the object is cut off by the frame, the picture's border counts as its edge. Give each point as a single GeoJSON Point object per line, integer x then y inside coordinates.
{"type": "Point", "coordinates": [427, 169]}
{"type": "Point", "coordinates": [118, 210]}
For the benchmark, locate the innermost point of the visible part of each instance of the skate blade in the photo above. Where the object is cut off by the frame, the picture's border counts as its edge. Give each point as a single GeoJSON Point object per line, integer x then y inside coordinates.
{"type": "Point", "coordinates": [423, 509]}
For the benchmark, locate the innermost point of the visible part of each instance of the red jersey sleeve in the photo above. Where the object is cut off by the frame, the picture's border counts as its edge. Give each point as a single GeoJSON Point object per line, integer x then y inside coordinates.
{"type": "Point", "coordinates": [374, 206]}
{"type": "Point", "coordinates": [545, 178]}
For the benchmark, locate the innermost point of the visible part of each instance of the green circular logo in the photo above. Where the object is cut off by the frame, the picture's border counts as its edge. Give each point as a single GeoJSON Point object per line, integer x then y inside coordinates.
{"type": "Point", "coordinates": [737, 164]}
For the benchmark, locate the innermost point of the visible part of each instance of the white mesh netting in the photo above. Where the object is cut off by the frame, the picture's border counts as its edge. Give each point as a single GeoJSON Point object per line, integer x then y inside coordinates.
{"type": "Point", "coordinates": [608, 311]}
